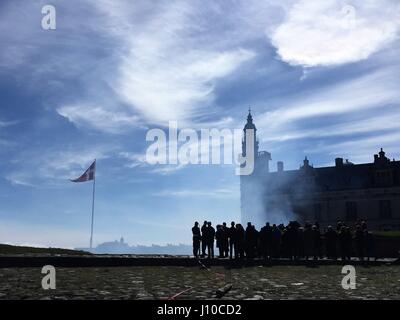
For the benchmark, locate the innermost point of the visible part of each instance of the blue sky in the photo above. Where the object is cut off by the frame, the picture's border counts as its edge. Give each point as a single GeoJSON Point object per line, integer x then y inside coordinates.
{"type": "Point", "coordinates": [322, 79]}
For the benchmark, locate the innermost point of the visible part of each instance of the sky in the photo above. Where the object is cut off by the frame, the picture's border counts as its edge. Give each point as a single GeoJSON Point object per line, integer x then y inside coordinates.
{"type": "Point", "coordinates": [322, 80]}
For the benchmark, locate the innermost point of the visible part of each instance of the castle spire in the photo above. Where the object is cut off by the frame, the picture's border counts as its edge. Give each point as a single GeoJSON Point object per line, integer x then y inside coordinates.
{"type": "Point", "coordinates": [250, 117]}
{"type": "Point", "coordinates": [250, 124]}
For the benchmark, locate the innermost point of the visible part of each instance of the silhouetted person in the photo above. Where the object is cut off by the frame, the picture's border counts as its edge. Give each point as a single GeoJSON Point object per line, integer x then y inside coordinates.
{"type": "Point", "coordinates": [276, 241]}
{"type": "Point", "coordinates": [247, 236]}
{"type": "Point", "coordinates": [319, 240]}
{"type": "Point", "coordinates": [256, 235]}
{"type": "Point", "coordinates": [342, 241]}
{"type": "Point", "coordinates": [231, 236]}
{"type": "Point", "coordinates": [196, 239]}
{"type": "Point", "coordinates": [261, 243]}
{"type": "Point", "coordinates": [364, 225]}
{"type": "Point", "coordinates": [349, 243]}
{"type": "Point", "coordinates": [316, 242]}
{"type": "Point", "coordinates": [369, 244]}
{"type": "Point", "coordinates": [292, 238]}
{"type": "Point", "coordinates": [219, 237]}
{"type": "Point", "coordinates": [268, 235]}
{"type": "Point", "coordinates": [210, 236]}
{"type": "Point", "coordinates": [251, 240]}
{"type": "Point", "coordinates": [285, 243]}
{"type": "Point", "coordinates": [345, 242]}
{"type": "Point", "coordinates": [225, 240]}
{"type": "Point", "coordinates": [331, 243]}
{"type": "Point", "coordinates": [300, 242]}
{"type": "Point", "coordinates": [203, 239]}
{"type": "Point", "coordinates": [239, 241]}
{"type": "Point", "coordinates": [309, 249]}
{"type": "Point", "coordinates": [265, 238]}
{"type": "Point", "coordinates": [359, 242]}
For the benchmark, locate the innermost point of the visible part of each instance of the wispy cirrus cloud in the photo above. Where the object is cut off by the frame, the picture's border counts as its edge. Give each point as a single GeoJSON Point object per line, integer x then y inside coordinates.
{"type": "Point", "coordinates": [355, 97]}
{"type": "Point", "coordinates": [168, 76]}
{"type": "Point", "coordinates": [161, 72]}
{"type": "Point", "coordinates": [212, 193]}
{"type": "Point", "coordinates": [162, 89]}
{"type": "Point", "coordinates": [5, 124]}
{"type": "Point", "coordinates": [99, 118]}
{"type": "Point", "coordinates": [367, 124]}
{"type": "Point", "coordinates": [20, 178]}
{"type": "Point", "coordinates": [361, 149]}
{"type": "Point", "coordinates": [140, 160]}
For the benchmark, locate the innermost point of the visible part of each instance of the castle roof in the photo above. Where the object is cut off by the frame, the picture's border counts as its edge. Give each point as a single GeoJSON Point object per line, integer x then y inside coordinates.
{"type": "Point", "coordinates": [381, 173]}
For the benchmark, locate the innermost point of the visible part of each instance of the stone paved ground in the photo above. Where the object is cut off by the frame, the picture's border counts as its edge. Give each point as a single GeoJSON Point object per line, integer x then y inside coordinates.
{"type": "Point", "coordinates": [276, 282]}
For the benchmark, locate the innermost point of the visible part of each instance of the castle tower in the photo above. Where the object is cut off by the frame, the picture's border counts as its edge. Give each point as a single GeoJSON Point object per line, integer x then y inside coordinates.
{"type": "Point", "coordinates": [250, 126]}
{"type": "Point", "coordinates": [252, 188]}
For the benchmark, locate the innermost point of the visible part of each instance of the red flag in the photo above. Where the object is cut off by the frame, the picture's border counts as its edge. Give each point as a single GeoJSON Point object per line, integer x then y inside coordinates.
{"type": "Point", "coordinates": [88, 174]}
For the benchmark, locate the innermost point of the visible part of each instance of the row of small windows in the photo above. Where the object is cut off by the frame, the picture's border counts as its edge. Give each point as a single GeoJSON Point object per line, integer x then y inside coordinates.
{"type": "Point", "coordinates": [383, 178]}
{"type": "Point", "coordinates": [385, 210]}
{"type": "Point", "coordinates": [383, 174]}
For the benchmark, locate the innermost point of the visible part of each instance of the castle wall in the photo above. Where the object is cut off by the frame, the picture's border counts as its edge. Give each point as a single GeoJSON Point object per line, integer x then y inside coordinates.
{"type": "Point", "coordinates": [334, 206]}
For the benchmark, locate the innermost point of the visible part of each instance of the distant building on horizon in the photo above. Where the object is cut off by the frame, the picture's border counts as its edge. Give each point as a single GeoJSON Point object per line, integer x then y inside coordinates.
{"type": "Point", "coordinates": [121, 247]}
{"type": "Point", "coordinates": [345, 191]}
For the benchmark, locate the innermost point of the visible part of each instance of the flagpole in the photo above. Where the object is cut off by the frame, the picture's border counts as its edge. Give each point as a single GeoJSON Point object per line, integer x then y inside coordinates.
{"type": "Point", "coordinates": [94, 189]}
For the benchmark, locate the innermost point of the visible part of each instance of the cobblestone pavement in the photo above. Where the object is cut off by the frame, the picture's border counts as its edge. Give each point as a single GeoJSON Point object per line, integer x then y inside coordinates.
{"type": "Point", "coordinates": [276, 282]}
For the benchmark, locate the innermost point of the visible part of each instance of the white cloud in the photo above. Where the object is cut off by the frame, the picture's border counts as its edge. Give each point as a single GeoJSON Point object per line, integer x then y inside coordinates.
{"type": "Point", "coordinates": [163, 62]}
{"type": "Point", "coordinates": [75, 160]}
{"type": "Point", "coordinates": [172, 59]}
{"type": "Point", "coordinates": [179, 88]}
{"type": "Point", "coordinates": [334, 32]}
{"type": "Point", "coordinates": [99, 117]}
{"type": "Point", "coordinates": [135, 160]}
{"type": "Point", "coordinates": [19, 179]}
{"type": "Point", "coordinates": [6, 143]}
{"type": "Point", "coordinates": [353, 97]}
{"type": "Point", "coordinates": [212, 193]}
{"type": "Point", "coordinates": [4, 124]}
{"type": "Point", "coordinates": [168, 169]}
{"type": "Point", "coordinates": [367, 124]}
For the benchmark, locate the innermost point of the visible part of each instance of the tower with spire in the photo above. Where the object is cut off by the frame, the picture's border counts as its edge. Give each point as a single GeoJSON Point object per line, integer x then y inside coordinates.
{"type": "Point", "coordinates": [261, 158]}
{"type": "Point", "coordinates": [250, 126]}
{"type": "Point", "coordinates": [252, 186]}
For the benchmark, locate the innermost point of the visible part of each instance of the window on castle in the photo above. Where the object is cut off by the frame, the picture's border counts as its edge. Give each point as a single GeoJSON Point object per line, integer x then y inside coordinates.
{"type": "Point", "coordinates": [317, 211]}
{"type": "Point", "coordinates": [385, 209]}
{"type": "Point", "coordinates": [351, 211]}
{"type": "Point", "coordinates": [384, 177]}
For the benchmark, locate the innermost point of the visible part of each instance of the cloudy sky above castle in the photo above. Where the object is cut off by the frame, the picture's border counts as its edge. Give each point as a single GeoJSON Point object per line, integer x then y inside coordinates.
{"type": "Point", "coordinates": [322, 79]}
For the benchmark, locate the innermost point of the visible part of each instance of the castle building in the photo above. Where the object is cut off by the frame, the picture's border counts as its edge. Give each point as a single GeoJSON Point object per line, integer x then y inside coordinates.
{"type": "Point", "coordinates": [345, 192]}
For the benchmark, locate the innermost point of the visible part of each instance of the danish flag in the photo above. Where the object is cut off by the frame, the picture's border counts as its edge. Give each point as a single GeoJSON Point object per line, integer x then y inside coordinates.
{"type": "Point", "coordinates": [88, 175]}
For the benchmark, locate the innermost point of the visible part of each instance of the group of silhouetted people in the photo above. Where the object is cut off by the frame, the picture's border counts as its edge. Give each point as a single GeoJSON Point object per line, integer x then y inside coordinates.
{"type": "Point", "coordinates": [292, 241]}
